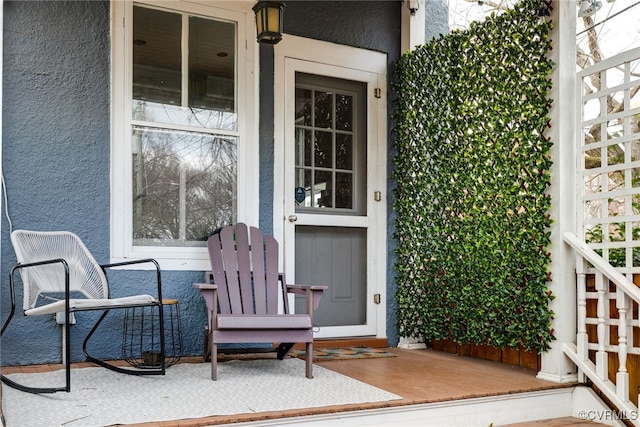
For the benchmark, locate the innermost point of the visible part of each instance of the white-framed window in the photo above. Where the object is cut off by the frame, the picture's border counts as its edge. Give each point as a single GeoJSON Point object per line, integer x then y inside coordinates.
{"type": "Point", "coordinates": [184, 149]}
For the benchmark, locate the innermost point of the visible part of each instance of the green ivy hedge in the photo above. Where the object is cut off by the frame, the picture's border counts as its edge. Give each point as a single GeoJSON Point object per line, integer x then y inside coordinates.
{"type": "Point", "coordinates": [472, 172]}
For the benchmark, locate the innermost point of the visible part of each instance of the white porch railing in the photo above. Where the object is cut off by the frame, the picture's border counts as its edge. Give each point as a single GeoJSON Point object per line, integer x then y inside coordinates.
{"type": "Point", "coordinates": [607, 241]}
{"type": "Point", "coordinates": [624, 292]}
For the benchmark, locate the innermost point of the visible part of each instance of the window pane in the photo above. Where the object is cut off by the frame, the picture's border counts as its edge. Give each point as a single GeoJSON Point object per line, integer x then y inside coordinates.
{"type": "Point", "coordinates": [157, 76]}
{"type": "Point", "coordinates": [174, 114]}
{"type": "Point", "coordinates": [157, 61]}
{"type": "Point", "coordinates": [184, 186]}
{"type": "Point", "coordinates": [212, 60]}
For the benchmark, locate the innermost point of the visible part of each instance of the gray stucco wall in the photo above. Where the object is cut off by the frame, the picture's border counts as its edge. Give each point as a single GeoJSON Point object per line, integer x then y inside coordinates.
{"type": "Point", "coordinates": [56, 158]}
{"type": "Point", "coordinates": [56, 146]}
{"type": "Point", "coordinates": [437, 18]}
{"type": "Point", "coordinates": [55, 140]}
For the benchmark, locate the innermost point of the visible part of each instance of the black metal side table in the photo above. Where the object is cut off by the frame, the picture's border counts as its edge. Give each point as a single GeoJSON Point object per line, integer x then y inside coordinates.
{"type": "Point", "coordinates": [140, 348]}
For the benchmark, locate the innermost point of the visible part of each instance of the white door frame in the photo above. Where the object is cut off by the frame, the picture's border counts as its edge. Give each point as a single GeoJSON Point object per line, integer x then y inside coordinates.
{"type": "Point", "coordinates": [314, 56]}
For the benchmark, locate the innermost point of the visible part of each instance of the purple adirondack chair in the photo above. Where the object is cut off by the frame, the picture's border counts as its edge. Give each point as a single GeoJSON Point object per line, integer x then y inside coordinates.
{"type": "Point", "coordinates": [242, 302]}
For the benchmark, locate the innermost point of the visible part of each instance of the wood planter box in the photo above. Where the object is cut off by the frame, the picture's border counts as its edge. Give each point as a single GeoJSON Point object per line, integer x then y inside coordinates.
{"type": "Point", "coordinates": [508, 355]}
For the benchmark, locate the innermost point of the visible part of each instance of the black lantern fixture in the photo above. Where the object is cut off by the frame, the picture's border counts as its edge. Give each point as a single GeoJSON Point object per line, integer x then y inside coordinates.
{"type": "Point", "coordinates": [269, 21]}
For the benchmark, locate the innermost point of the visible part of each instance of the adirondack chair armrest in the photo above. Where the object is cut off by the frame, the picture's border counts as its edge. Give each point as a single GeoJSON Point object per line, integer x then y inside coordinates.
{"type": "Point", "coordinates": [313, 292]}
{"type": "Point", "coordinates": [210, 294]}
{"type": "Point", "coordinates": [205, 286]}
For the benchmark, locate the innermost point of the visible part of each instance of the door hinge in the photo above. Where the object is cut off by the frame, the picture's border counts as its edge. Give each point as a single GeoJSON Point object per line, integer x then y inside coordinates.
{"type": "Point", "coordinates": [377, 92]}
{"type": "Point", "coordinates": [376, 298]}
{"type": "Point", "coordinates": [377, 196]}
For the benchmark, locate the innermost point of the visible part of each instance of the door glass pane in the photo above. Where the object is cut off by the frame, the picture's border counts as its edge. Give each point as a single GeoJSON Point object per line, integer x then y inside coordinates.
{"type": "Point", "coordinates": [303, 182]}
{"type": "Point", "coordinates": [184, 186]}
{"type": "Point", "coordinates": [322, 190]}
{"type": "Point", "coordinates": [344, 151]}
{"type": "Point", "coordinates": [323, 109]}
{"type": "Point", "coordinates": [323, 149]}
{"type": "Point", "coordinates": [303, 107]}
{"type": "Point", "coordinates": [303, 147]}
{"type": "Point", "coordinates": [344, 112]}
{"type": "Point", "coordinates": [344, 190]}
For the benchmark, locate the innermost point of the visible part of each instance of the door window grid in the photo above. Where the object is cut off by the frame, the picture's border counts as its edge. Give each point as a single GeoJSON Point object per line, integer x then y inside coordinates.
{"type": "Point", "coordinates": [324, 148]}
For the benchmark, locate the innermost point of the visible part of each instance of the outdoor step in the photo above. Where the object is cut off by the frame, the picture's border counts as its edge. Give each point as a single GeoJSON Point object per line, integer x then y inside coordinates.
{"type": "Point", "coordinates": [533, 409]}
{"type": "Point", "coordinates": [556, 422]}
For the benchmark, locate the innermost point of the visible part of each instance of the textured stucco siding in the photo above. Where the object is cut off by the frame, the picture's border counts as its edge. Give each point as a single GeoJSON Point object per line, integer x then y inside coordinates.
{"type": "Point", "coordinates": [56, 155]}
{"type": "Point", "coordinates": [55, 143]}
{"type": "Point", "coordinates": [436, 18]}
{"type": "Point", "coordinates": [56, 147]}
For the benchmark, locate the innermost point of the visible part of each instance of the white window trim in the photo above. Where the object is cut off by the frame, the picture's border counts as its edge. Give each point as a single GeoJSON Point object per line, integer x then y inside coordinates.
{"type": "Point", "coordinates": [179, 258]}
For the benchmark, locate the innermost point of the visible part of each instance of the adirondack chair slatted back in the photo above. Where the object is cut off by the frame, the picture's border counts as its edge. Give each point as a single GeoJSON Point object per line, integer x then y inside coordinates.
{"type": "Point", "coordinates": [245, 268]}
{"type": "Point", "coordinates": [85, 275]}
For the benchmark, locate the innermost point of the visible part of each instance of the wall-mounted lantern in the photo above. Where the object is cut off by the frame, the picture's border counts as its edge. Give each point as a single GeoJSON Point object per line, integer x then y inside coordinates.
{"type": "Point", "coordinates": [269, 21]}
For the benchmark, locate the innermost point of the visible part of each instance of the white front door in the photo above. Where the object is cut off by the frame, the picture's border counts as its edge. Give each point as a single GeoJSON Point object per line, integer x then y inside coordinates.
{"type": "Point", "coordinates": [330, 175]}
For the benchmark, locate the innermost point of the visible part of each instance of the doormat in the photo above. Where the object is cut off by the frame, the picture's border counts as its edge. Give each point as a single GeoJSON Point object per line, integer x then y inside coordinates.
{"type": "Point", "coordinates": [323, 354]}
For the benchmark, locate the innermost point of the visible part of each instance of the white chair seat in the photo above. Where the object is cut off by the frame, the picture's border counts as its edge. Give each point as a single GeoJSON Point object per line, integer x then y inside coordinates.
{"type": "Point", "coordinates": [79, 304]}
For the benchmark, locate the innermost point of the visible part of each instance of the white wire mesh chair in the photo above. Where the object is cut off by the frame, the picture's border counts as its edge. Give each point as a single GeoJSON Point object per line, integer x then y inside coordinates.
{"type": "Point", "coordinates": [59, 275]}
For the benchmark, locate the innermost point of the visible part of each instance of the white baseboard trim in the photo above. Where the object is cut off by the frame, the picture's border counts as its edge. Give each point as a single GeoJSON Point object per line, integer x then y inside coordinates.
{"type": "Point", "coordinates": [556, 378]}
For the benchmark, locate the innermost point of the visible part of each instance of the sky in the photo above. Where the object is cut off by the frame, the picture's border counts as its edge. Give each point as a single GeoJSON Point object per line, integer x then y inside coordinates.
{"type": "Point", "coordinates": [617, 25]}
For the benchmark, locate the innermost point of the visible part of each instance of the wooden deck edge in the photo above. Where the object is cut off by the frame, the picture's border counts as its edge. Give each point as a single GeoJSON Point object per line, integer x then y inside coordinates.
{"type": "Point", "coordinates": [347, 342]}
{"type": "Point", "coordinates": [294, 416]}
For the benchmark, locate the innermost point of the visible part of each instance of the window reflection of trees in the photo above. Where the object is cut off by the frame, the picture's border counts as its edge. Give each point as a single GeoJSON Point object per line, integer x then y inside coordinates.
{"type": "Point", "coordinates": [184, 185]}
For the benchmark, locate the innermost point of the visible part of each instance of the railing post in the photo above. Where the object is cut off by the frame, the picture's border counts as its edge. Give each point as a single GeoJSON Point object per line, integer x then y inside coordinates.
{"type": "Point", "coordinates": [622, 376]}
{"type": "Point", "coordinates": [602, 364]}
{"type": "Point", "coordinates": [582, 342]}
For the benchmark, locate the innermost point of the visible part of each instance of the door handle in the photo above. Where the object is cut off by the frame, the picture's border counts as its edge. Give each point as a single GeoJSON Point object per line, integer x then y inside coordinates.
{"type": "Point", "coordinates": [292, 218]}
